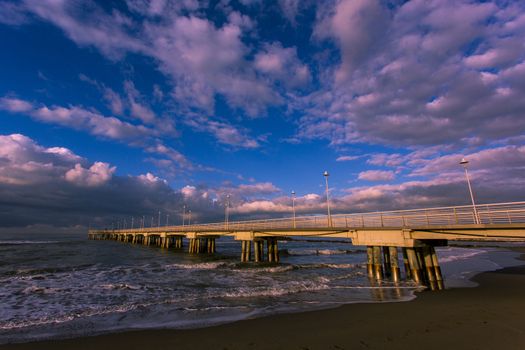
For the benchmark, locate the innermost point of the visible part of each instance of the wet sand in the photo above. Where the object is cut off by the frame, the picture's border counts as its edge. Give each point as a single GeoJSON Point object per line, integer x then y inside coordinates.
{"type": "Point", "coordinates": [491, 316]}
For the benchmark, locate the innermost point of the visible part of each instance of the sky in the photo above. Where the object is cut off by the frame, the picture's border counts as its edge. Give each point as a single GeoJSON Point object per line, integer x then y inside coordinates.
{"type": "Point", "coordinates": [117, 109]}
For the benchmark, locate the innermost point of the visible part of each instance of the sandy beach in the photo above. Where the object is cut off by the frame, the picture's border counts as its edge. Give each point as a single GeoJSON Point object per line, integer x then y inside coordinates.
{"type": "Point", "coordinates": [489, 316]}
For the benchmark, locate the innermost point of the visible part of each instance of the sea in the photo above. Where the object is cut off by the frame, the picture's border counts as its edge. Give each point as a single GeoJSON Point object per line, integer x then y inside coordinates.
{"type": "Point", "coordinates": [64, 285]}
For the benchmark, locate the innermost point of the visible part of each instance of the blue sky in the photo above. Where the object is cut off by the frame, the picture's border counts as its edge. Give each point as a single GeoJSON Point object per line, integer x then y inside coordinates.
{"type": "Point", "coordinates": [152, 105]}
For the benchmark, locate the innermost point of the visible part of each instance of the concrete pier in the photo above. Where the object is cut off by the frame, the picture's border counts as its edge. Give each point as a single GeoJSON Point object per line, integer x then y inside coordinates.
{"type": "Point", "coordinates": [416, 232]}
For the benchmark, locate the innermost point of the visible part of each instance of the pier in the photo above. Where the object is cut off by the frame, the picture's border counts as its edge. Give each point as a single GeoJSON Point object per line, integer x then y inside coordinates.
{"type": "Point", "coordinates": [398, 243]}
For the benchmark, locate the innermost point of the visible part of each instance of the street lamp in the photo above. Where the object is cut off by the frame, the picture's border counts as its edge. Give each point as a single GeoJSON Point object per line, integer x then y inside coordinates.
{"type": "Point", "coordinates": [132, 221]}
{"type": "Point", "coordinates": [293, 208]}
{"type": "Point", "coordinates": [167, 219]}
{"type": "Point", "coordinates": [227, 211]}
{"type": "Point", "coordinates": [325, 174]}
{"type": "Point", "coordinates": [158, 220]}
{"type": "Point", "coordinates": [183, 214]}
{"type": "Point", "coordinates": [189, 217]}
{"type": "Point", "coordinates": [464, 163]}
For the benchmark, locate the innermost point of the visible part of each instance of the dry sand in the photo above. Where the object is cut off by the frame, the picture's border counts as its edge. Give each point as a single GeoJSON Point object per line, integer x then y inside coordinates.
{"type": "Point", "coordinates": [491, 316]}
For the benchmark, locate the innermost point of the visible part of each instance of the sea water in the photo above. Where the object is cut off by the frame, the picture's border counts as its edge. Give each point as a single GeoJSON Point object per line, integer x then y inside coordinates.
{"type": "Point", "coordinates": [58, 286]}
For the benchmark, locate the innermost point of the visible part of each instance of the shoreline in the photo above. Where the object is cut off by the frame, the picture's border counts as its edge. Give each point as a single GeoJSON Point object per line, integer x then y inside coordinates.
{"type": "Point", "coordinates": [484, 317]}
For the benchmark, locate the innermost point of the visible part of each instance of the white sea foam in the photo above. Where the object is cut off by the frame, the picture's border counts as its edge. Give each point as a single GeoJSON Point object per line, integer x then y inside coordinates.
{"type": "Point", "coordinates": [459, 254]}
{"type": "Point", "coordinates": [200, 266]}
{"type": "Point", "coordinates": [317, 251]}
{"type": "Point", "coordinates": [118, 286]}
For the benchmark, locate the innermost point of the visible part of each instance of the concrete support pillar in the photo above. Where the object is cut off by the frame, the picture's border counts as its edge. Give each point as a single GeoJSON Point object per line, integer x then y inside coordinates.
{"type": "Point", "coordinates": [275, 250]}
{"type": "Point", "coordinates": [245, 251]}
{"type": "Point", "coordinates": [261, 250]}
{"type": "Point", "coordinates": [415, 267]}
{"type": "Point", "coordinates": [378, 272]}
{"type": "Point", "coordinates": [386, 261]}
{"type": "Point", "coordinates": [394, 264]}
{"type": "Point", "coordinates": [421, 260]}
{"type": "Point", "coordinates": [370, 261]}
{"type": "Point", "coordinates": [408, 274]}
{"type": "Point", "coordinates": [270, 246]}
{"type": "Point", "coordinates": [437, 269]}
{"type": "Point", "coordinates": [256, 251]}
{"type": "Point", "coordinates": [429, 268]}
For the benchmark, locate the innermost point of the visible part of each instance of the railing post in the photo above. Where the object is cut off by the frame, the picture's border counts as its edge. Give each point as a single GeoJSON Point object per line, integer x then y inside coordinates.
{"type": "Point", "coordinates": [381, 216]}
{"type": "Point", "coordinates": [362, 221]}
{"type": "Point", "coordinates": [426, 215]}
{"type": "Point", "coordinates": [456, 216]}
{"type": "Point", "coordinates": [508, 216]}
{"type": "Point", "coordinates": [488, 213]}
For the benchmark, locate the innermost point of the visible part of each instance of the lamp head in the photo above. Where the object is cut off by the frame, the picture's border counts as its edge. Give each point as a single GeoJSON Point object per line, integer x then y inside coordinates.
{"type": "Point", "coordinates": [463, 162]}
{"type": "Point", "coordinates": [293, 193]}
{"type": "Point", "coordinates": [326, 173]}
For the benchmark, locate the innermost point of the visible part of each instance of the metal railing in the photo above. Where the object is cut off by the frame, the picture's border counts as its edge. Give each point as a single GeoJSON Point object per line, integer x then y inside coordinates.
{"type": "Point", "coordinates": [488, 214]}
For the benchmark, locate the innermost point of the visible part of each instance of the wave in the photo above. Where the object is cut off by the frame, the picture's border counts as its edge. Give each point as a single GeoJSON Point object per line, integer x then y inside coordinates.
{"type": "Point", "coordinates": [41, 290]}
{"type": "Point", "coordinates": [199, 266]}
{"type": "Point", "coordinates": [306, 252]}
{"type": "Point", "coordinates": [460, 255]}
{"type": "Point", "coordinates": [118, 286]}
{"type": "Point", "coordinates": [20, 242]}
{"type": "Point", "coordinates": [297, 287]}
{"type": "Point", "coordinates": [47, 270]}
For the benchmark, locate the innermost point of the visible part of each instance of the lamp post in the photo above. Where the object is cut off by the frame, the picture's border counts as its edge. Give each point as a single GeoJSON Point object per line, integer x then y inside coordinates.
{"type": "Point", "coordinates": [158, 220]}
{"type": "Point", "coordinates": [132, 219]}
{"type": "Point", "coordinates": [293, 208]}
{"type": "Point", "coordinates": [464, 163]}
{"type": "Point", "coordinates": [189, 217]}
{"type": "Point", "coordinates": [167, 219]}
{"type": "Point", "coordinates": [143, 221]}
{"type": "Point", "coordinates": [183, 214]}
{"type": "Point", "coordinates": [325, 174]}
{"type": "Point", "coordinates": [227, 212]}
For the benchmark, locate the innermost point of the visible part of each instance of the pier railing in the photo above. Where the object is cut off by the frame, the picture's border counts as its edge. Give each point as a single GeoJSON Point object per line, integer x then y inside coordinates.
{"type": "Point", "coordinates": [487, 214]}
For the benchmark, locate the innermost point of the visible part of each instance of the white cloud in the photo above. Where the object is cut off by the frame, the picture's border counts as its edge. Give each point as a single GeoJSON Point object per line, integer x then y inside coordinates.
{"type": "Point", "coordinates": [377, 175]}
{"type": "Point", "coordinates": [188, 191]}
{"type": "Point", "coordinates": [283, 65]}
{"type": "Point", "coordinates": [347, 158]}
{"type": "Point", "coordinates": [78, 118]}
{"type": "Point", "coordinates": [98, 174]}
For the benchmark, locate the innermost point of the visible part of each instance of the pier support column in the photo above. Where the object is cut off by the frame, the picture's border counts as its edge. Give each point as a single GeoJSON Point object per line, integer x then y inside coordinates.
{"type": "Point", "coordinates": [429, 268]}
{"type": "Point", "coordinates": [275, 250]}
{"type": "Point", "coordinates": [378, 272]}
{"type": "Point", "coordinates": [437, 269]}
{"type": "Point", "coordinates": [370, 261]}
{"type": "Point", "coordinates": [415, 269]}
{"type": "Point", "coordinates": [246, 251]}
{"type": "Point", "coordinates": [394, 264]}
{"type": "Point", "coordinates": [421, 259]}
{"type": "Point", "coordinates": [269, 252]}
{"type": "Point", "coordinates": [256, 251]}
{"type": "Point", "coordinates": [386, 261]}
{"type": "Point", "coordinates": [407, 265]}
